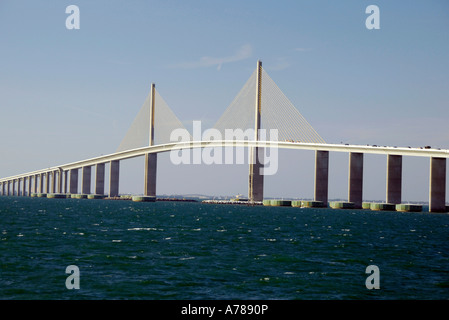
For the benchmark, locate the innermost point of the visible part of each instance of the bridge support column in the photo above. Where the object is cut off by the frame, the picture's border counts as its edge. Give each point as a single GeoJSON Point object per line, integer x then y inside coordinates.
{"type": "Point", "coordinates": [150, 174]}
{"type": "Point", "coordinates": [36, 185]}
{"type": "Point", "coordinates": [47, 182]}
{"type": "Point", "coordinates": [321, 176]}
{"type": "Point", "coordinates": [73, 181]}
{"type": "Point", "coordinates": [85, 180]}
{"type": "Point", "coordinates": [255, 177]}
{"type": "Point", "coordinates": [255, 188]}
{"type": "Point", "coordinates": [114, 176]}
{"type": "Point", "coordinates": [14, 187]}
{"type": "Point", "coordinates": [53, 182]}
{"type": "Point", "coordinates": [99, 178]}
{"type": "Point", "coordinates": [437, 187]}
{"type": "Point", "coordinates": [394, 179]}
{"type": "Point", "coordinates": [59, 183]}
{"type": "Point", "coordinates": [65, 181]}
{"type": "Point", "coordinates": [8, 187]}
{"type": "Point", "coordinates": [24, 189]}
{"type": "Point", "coordinates": [355, 191]}
{"type": "Point", "coordinates": [30, 187]}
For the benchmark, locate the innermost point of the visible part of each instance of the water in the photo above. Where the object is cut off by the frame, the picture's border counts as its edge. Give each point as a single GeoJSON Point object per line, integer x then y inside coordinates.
{"type": "Point", "coordinates": [175, 250]}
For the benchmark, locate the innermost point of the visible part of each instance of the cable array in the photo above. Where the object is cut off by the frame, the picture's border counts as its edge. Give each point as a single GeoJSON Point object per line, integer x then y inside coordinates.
{"type": "Point", "coordinates": [277, 113]}
{"type": "Point", "coordinates": [165, 121]}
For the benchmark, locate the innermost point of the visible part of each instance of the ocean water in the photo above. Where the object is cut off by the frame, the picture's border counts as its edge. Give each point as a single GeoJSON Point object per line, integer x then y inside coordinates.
{"type": "Point", "coordinates": [176, 250]}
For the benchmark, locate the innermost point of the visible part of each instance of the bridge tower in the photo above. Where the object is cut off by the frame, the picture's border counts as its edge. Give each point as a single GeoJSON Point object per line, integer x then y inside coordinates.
{"type": "Point", "coordinates": [255, 188]}
{"type": "Point", "coordinates": [151, 158]}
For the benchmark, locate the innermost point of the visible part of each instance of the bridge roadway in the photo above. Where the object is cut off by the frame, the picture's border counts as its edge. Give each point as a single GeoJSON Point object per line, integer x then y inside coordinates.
{"type": "Point", "coordinates": [138, 152]}
{"type": "Point", "coordinates": [437, 174]}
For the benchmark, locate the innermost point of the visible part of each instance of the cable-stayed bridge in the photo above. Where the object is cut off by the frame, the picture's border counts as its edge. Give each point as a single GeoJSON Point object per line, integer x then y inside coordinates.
{"type": "Point", "coordinates": [260, 117]}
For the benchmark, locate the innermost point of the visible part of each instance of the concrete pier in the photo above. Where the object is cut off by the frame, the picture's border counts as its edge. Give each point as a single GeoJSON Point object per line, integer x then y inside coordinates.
{"type": "Point", "coordinates": [255, 178]}
{"type": "Point", "coordinates": [41, 183]}
{"type": "Point", "coordinates": [36, 183]}
{"type": "Point", "coordinates": [150, 174]}
{"type": "Point", "coordinates": [114, 176]}
{"type": "Point", "coordinates": [394, 179]}
{"type": "Point", "coordinates": [65, 181]}
{"type": "Point", "coordinates": [255, 185]}
{"type": "Point", "coordinates": [30, 178]}
{"type": "Point", "coordinates": [73, 181]}
{"type": "Point", "coordinates": [85, 180]}
{"type": "Point", "coordinates": [99, 178]}
{"type": "Point", "coordinates": [24, 188]}
{"type": "Point", "coordinates": [321, 176]}
{"type": "Point", "coordinates": [355, 184]}
{"type": "Point", "coordinates": [53, 182]}
{"type": "Point", "coordinates": [437, 187]}
{"type": "Point", "coordinates": [47, 182]}
{"type": "Point", "coordinates": [59, 183]}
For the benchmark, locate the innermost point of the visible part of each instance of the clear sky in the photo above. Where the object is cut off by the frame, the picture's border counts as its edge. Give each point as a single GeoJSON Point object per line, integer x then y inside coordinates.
{"type": "Point", "coordinates": [67, 95]}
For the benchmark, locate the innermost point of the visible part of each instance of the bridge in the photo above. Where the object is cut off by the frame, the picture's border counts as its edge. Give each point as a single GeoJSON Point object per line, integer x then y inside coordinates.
{"type": "Point", "coordinates": [253, 110]}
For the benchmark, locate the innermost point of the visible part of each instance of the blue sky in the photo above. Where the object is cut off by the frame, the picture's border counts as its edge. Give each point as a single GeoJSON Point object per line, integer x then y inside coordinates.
{"type": "Point", "coordinates": [66, 95]}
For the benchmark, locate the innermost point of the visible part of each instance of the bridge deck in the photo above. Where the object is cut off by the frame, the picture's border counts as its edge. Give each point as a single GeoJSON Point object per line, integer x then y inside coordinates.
{"type": "Point", "coordinates": [408, 151]}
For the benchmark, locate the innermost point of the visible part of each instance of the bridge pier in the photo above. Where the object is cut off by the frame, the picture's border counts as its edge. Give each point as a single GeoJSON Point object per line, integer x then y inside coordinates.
{"type": "Point", "coordinates": [99, 178]}
{"type": "Point", "coordinates": [394, 179]}
{"type": "Point", "coordinates": [255, 177]}
{"type": "Point", "coordinates": [255, 188]}
{"type": "Point", "coordinates": [437, 187]}
{"type": "Point", "coordinates": [14, 187]}
{"type": "Point", "coordinates": [59, 187]}
{"type": "Point", "coordinates": [30, 178]}
{"type": "Point", "coordinates": [114, 176]}
{"type": "Point", "coordinates": [321, 176]}
{"type": "Point", "coordinates": [73, 181]}
{"type": "Point", "coordinates": [355, 191]}
{"type": "Point", "coordinates": [150, 174]}
{"type": "Point", "coordinates": [41, 183]}
{"type": "Point", "coordinates": [47, 182]}
{"type": "Point", "coordinates": [53, 182]}
{"type": "Point", "coordinates": [24, 190]}
{"type": "Point", "coordinates": [85, 180]}
{"type": "Point", "coordinates": [36, 183]}
{"type": "Point", "coordinates": [66, 173]}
